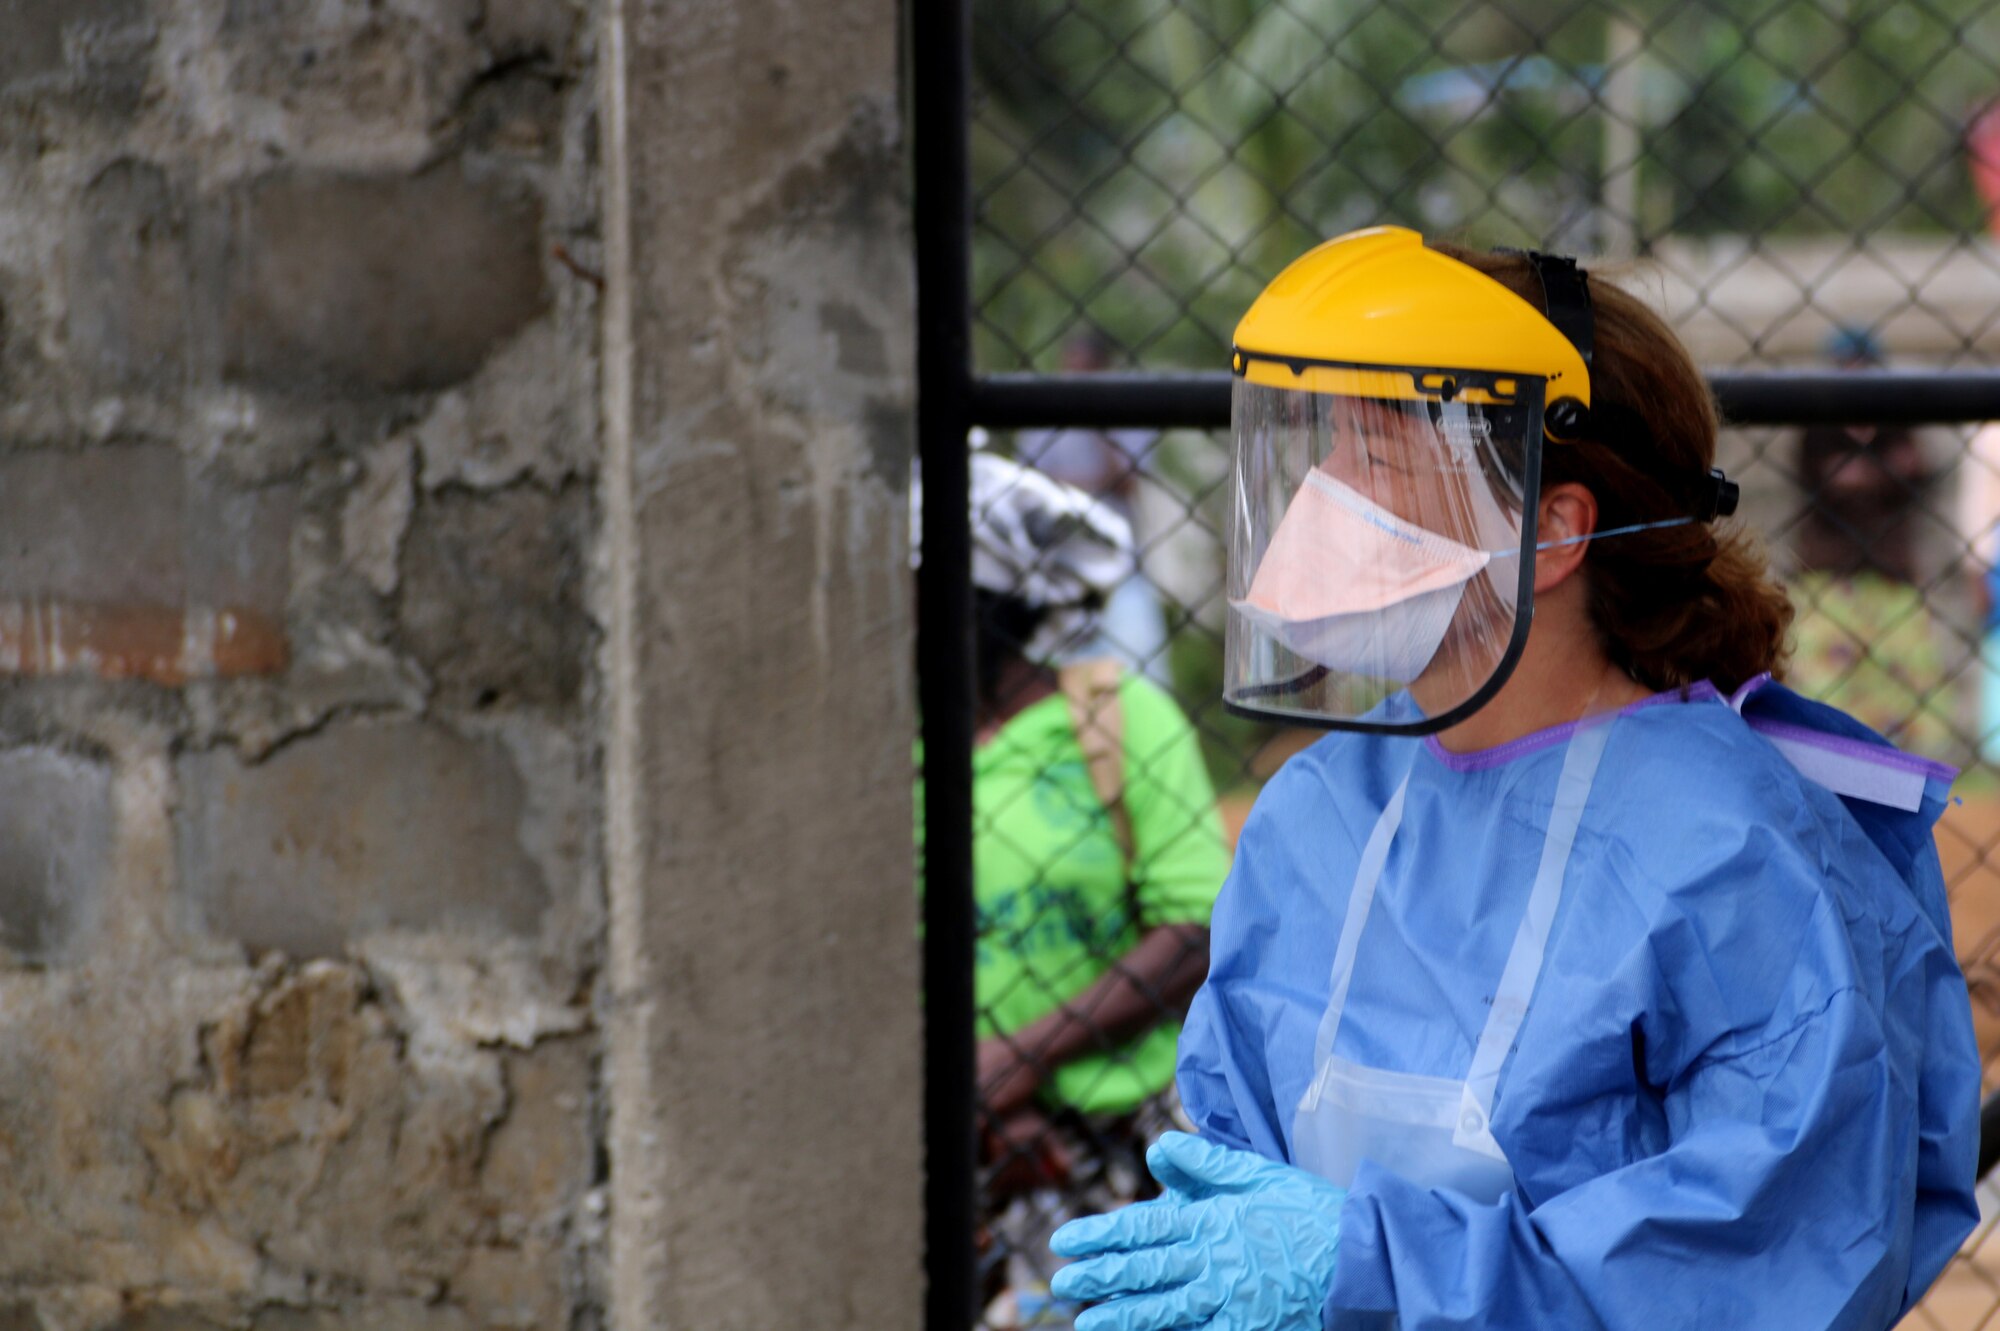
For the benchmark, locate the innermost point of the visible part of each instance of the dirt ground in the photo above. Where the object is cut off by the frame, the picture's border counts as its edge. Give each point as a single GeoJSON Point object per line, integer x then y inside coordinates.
{"type": "Point", "coordinates": [1968, 838]}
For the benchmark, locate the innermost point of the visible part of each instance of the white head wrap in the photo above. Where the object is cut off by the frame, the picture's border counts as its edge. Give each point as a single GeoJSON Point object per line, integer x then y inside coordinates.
{"type": "Point", "coordinates": [1044, 543]}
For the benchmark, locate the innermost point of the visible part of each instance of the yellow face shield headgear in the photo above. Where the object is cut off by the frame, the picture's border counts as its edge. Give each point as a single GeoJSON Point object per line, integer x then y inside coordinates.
{"type": "Point", "coordinates": [1390, 410]}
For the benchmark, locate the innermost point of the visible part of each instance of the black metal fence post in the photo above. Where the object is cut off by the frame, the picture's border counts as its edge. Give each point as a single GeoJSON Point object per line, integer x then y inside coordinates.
{"type": "Point", "coordinates": [941, 76]}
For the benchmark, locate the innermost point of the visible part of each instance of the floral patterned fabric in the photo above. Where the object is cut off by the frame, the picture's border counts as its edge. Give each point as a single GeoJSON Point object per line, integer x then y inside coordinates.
{"type": "Point", "coordinates": [1867, 645]}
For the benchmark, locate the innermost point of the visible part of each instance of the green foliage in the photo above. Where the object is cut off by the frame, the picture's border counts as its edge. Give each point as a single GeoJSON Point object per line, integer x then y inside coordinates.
{"type": "Point", "coordinates": [1143, 166]}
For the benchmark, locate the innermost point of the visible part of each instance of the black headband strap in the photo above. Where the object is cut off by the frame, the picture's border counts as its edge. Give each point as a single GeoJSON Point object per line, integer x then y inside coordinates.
{"type": "Point", "coordinates": [1566, 303]}
{"type": "Point", "coordinates": [1708, 496]}
{"type": "Point", "coordinates": [1566, 299]}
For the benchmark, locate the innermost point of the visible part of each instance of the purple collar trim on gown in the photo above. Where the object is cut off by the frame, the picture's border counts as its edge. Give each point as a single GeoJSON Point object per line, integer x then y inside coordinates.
{"type": "Point", "coordinates": [1860, 750]}
{"type": "Point", "coordinates": [1480, 760]}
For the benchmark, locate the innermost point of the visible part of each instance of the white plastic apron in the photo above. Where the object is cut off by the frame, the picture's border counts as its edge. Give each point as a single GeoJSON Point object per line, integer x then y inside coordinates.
{"type": "Point", "coordinates": [1435, 1131]}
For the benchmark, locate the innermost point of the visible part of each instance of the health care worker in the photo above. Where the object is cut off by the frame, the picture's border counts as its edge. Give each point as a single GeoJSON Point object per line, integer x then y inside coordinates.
{"type": "Point", "coordinates": [1584, 977]}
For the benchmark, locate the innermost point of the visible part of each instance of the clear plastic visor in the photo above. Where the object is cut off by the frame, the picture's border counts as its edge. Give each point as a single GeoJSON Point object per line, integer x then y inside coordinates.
{"type": "Point", "coordinates": [1379, 558]}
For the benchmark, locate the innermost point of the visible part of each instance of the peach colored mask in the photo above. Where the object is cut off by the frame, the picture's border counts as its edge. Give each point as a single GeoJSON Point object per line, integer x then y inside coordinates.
{"type": "Point", "coordinates": [1349, 585]}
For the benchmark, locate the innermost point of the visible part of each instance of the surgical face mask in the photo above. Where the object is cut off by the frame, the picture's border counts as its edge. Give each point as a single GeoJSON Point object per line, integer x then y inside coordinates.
{"type": "Point", "coordinates": [1347, 584]}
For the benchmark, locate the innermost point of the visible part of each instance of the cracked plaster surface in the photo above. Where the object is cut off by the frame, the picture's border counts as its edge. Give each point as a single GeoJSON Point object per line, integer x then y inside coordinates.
{"type": "Point", "coordinates": [404, 1133]}
{"type": "Point", "coordinates": [298, 1142]}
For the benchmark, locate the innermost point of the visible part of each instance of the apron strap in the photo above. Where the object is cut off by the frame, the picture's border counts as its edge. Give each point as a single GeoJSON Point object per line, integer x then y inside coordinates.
{"type": "Point", "coordinates": [1373, 856]}
{"type": "Point", "coordinates": [1524, 961]}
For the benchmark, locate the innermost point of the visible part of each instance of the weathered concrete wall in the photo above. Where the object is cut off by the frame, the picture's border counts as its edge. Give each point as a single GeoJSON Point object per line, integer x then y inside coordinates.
{"type": "Point", "coordinates": [765, 1139]}
{"type": "Point", "coordinates": [300, 886]}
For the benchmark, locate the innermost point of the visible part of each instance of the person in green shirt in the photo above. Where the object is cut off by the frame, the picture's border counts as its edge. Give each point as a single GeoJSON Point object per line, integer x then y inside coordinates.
{"type": "Point", "coordinates": [1097, 856]}
{"type": "Point", "coordinates": [1087, 951]}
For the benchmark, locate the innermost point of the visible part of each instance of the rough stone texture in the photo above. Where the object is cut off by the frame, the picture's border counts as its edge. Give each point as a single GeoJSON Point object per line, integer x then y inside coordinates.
{"type": "Point", "coordinates": [529, 414]}
{"type": "Point", "coordinates": [377, 513]}
{"type": "Point", "coordinates": [308, 967]}
{"type": "Point", "coordinates": [42, 38]}
{"type": "Point", "coordinates": [395, 285]}
{"type": "Point", "coordinates": [327, 75]}
{"type": "Point", "coordinates": [55, 850]}
{"type": "Point", "coordinates": [523, 28]}
{"type": "Point", "coordinates": [493, 596]}
{"type": "Point", "coordinates": [757, 444]}
{"type": "Point", "coordinates": [293, 1146]}
{"type": "Point", "coordinates": [361, 830]}
{"type": "Point", "coordinates": [299, 928]}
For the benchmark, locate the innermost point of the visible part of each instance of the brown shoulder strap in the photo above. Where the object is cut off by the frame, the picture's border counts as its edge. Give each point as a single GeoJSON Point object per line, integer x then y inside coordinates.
{"type": "Point", "coordinates": [1091, 689]}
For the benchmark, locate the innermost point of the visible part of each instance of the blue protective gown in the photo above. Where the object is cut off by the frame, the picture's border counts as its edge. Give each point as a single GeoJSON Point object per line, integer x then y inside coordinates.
{"type": "Point", "coordinates": [1746, 1090]}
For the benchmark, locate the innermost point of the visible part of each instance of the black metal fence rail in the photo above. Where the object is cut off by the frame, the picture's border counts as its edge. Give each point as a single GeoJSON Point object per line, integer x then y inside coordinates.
{"type": "Point", "coordinates": [1201, 401]}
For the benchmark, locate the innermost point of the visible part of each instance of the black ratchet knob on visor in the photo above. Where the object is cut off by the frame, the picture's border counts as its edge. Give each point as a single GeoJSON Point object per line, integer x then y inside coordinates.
{"type": "Point", "coordinates": [1565, 419]}
{"type": "Point", "coordinates": [1718, 496]}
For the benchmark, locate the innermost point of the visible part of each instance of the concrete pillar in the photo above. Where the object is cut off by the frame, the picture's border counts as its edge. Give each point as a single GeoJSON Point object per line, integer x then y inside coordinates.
{"type": "Point", "coordinates": [764, 1044]}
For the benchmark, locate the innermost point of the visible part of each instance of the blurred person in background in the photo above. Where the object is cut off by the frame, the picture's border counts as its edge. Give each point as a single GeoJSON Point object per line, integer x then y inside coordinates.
{"type": "Point", "coordinates": [1097, 856]}
{"type": "Point", "coordinates": [1107, 465]}
{"type": "Point", "coordinates": [1865, 639]}
{"type": "Point", "coordinates": [1979, 527]}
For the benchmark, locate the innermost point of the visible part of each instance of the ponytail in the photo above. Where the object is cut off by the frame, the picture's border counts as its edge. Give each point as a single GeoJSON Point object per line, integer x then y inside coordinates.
{"type": "Point", "coordinates": [1671, 605]}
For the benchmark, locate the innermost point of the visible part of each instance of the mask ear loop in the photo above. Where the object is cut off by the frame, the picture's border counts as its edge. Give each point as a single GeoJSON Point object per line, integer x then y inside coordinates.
{"type": "Point", "coordinates": [1600, 535]}
{"type": "Point", "coordinates": [1718, 500]}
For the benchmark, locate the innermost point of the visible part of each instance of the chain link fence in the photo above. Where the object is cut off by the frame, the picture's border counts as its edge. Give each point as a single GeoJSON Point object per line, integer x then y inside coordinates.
{"type": "Point", "coordinates": [1811, 184]}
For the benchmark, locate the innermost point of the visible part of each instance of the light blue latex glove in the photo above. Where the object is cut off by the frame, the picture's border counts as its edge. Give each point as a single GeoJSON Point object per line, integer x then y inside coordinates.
{"type": "Point", "coordinates": [1239, 1243]}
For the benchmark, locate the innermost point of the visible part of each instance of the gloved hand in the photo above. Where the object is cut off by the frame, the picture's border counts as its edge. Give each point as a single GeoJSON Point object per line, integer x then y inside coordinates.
{"type": "Point", "coordinates": [1238, 1242]}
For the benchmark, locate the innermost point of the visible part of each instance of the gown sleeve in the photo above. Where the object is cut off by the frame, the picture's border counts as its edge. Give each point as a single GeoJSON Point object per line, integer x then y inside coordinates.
{"type": "Point", "coordinates": [1784, 1195]}
{"type": "Point", "coordinates": [1232, 1034]}
{"type": "Point", "coordinates": [1179, 855]}
{"type": "Point", "coordinates": [1225, 1097]}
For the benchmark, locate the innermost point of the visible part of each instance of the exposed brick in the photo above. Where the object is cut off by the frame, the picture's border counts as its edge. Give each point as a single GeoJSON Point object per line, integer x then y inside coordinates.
{"type": "Point", "coordinates": [382, 283]}
{"type": "Point", "coordinates": [56, 833]}
{"type": "Point", "coordinates": [310, 1128]}
{"type": "Point", "coordinates": [160, 644]}
{"type": "Point", "coordinates": [357, 830]}
{"type": "Point", "coordinates": [295, 281]}
{"type": "Point", "coordinates": [248, 249]}
{"type": "Point", "coordinates": [492, 595]}
{"type": "Point", "coordinates": [130, 562]}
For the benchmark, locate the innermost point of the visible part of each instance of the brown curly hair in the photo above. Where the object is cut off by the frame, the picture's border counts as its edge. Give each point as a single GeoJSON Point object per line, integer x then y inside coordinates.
{"type": "Point", "coordinates": [1673, 605]}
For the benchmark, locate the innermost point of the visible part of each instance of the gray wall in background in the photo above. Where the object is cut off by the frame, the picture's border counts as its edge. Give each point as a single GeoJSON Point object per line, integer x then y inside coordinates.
{"type": "Point", "coordinates": [311, 1011]}
{"type": "Point", "coordinates": [759, 357]}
